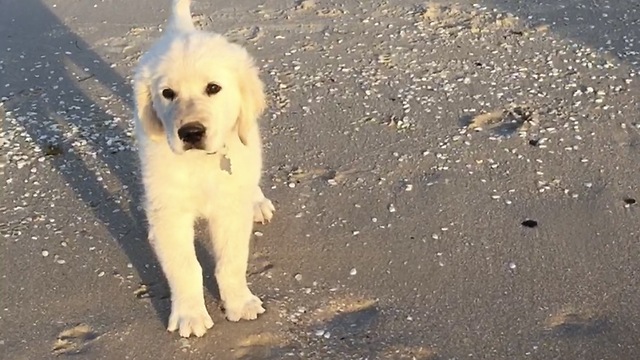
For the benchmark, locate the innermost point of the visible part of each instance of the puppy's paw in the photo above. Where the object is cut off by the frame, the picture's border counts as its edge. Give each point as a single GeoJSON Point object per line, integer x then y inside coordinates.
{"type": "Point", "coordinates": [263, 210]}
{"type": "Point", "coordinates": [189, 319]}
{"type": "Point", "coordinates": [246, 308]}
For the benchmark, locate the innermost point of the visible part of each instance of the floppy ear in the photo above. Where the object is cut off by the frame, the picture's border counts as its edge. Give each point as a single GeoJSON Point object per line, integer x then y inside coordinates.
{"type": "Point", "coordinates": [147, 117]}
{"type": "Point", "coordinates": [252, 105]}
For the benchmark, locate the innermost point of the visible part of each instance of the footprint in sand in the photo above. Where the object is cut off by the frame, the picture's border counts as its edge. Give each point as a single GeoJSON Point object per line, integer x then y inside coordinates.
{"type": "Point", "coordinates": [74, 340]}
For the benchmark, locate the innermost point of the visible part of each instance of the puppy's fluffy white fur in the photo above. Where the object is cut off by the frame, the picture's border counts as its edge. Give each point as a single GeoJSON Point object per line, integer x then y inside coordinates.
{"type": "Point", "coordinates": [182, 184]}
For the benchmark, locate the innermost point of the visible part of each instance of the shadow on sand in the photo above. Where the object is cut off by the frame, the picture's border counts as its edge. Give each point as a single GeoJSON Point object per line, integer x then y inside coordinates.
{"type": "Point", "coordinates": [59, 103]}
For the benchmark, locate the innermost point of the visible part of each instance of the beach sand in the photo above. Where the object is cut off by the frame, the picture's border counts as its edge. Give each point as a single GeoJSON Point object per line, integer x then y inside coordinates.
{"type": "Point", "coordinates": [452, 181]}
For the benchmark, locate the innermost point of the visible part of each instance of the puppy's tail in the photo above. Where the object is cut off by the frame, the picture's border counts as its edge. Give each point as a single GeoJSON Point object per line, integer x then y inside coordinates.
{"type": "Point", "coordinates": [181, 16]}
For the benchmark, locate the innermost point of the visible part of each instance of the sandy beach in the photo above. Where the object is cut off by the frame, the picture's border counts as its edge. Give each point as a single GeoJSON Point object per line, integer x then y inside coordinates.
{"type": "Point", "coordinates": [453, 180]}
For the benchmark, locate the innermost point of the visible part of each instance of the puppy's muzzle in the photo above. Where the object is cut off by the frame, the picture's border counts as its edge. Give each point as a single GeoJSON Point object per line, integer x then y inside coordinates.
{"type": "Point", "coordinates": [192, 135]}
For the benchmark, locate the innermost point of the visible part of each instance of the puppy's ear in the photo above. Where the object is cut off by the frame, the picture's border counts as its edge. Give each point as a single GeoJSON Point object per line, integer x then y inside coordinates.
{"type": "Point", "coordinates": [252, 103]}
{"type": "Point", "coordinates": [145, 114]}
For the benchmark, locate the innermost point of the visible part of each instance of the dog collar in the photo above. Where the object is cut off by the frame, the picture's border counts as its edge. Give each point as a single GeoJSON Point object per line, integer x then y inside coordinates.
{"type": "Point", "coordinates": [225, 161]}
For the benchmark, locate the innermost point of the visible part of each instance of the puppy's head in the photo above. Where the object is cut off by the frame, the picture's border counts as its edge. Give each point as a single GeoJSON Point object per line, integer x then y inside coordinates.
{"type": "Point", "coordinates": [196, 91]}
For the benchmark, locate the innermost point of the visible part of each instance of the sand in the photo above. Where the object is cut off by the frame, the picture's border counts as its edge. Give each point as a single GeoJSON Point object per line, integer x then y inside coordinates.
{"type": "Point", "coordinates": [453, 181]}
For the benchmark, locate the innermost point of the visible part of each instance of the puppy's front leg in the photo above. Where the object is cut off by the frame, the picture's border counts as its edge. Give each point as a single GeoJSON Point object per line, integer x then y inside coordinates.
{"type": "Point", "coordinates": [172, 237]}
{"type": "Point", "coordinates": [231, 232]}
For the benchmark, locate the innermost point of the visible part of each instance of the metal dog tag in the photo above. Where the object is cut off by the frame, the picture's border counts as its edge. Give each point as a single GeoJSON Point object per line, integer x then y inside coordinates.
{"type": "Point", "coordinates": [225, 164]}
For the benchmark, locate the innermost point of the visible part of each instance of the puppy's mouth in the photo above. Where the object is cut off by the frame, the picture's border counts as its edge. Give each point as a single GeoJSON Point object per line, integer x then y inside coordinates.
{"type": "Point", "coordinates": [193, 149]}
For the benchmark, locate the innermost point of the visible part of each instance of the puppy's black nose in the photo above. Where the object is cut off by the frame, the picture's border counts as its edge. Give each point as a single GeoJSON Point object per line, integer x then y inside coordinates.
{"type": "Point", "coordinates": [191, 133]}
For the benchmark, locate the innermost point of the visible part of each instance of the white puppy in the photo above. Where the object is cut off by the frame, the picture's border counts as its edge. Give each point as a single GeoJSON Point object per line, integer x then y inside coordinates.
{"type": "Point", "coordinates": [197, 100]}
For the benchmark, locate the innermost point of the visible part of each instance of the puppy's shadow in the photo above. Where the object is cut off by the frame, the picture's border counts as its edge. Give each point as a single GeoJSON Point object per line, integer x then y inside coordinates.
{"type": "Point", "coordinates": [49, 99]}
{"type": "Point", "coordinates": [205, 258]}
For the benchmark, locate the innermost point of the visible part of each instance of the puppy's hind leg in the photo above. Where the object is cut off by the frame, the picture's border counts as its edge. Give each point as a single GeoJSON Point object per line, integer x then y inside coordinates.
{"type": "Point", "coordinates": [230, 229]}
{"type": "Point", "coordinates": [172, 237]}
{"type": "Point", "coordinates": [263, 208]}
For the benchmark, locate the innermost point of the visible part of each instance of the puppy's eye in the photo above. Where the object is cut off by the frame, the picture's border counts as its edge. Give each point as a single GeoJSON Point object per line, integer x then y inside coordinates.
{"type": "Point", "coordinates": [212, 89]}
{"type": "Point", "coordinates": [168, 94]}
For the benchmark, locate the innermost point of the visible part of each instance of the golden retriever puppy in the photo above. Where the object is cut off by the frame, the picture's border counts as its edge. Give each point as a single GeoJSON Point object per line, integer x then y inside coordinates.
{"type": "Point", "coordinates": [197, 99]}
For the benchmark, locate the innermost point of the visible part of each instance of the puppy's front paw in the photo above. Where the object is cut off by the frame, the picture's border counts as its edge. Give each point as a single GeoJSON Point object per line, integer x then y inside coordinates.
{"type": "Point", "coordinates": [247, 307]}
{"type": "Point", "coordinates": [189, 319]}
{"type": "Point", "coordinates": [263, 210]}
